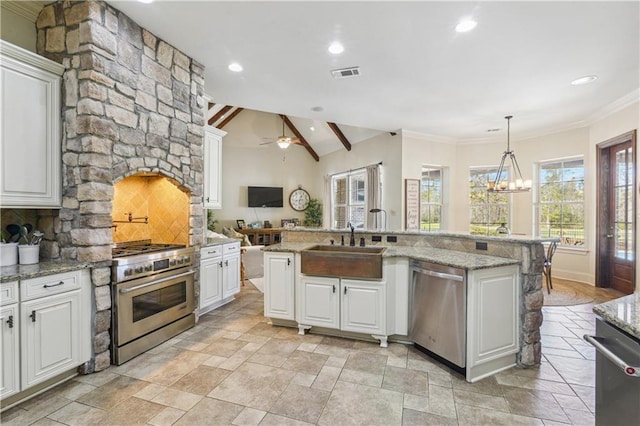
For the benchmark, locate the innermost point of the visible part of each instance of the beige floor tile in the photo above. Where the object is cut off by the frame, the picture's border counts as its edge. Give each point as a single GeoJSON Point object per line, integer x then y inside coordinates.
{"type": "Point", "coordinates": [234, 361]}
{"type": "Point", "coordinates": [276, 420]}
{"type": "Point", "coordinates": [113, 393]}
{"type": "Point", "coordinates": [279, 348]}
{"type": "Point", "coordinates": [72, 390]}
{"type": "Point", "coordinates": [307, 347]}
{"type": "Point", "coordinates": [78, 414]}
{"type": "Point", "coordinates": [361, 377]}
{"type": "Point", "coordinates": [149, 392]}
{"type": "Point", "coordinates": [304, 379]}
{"type": "Point", "coordinates": [132, 411]}
{"type": "Point", "coordinates": [249, 417]}
{"type": "Point", "coordinates": [440, 378]}
{"type": "Point", "coordinates": [570, 402]}
{"type": "Point", "coordinates": [305, 362]}
{"type": "Point", "coordinates": [97, 379]}
{"type": "Point", "coordinates": [166, 417]}
{"type": "Point", "coordinates": [224, 347]}
{"type": "Point", "coordinates": [419, 418]}
{"type": "Point", "coordinates": [587, 394]}
{"type": "Point", "coordinates": [579, 417]}
{"type": "Point", "coordinates": [327, 378]}
{"type": "Point", "coordinates": [406, 381]}
{"type": "Point", "coordinates": [334, 361]}
{"type": "Point", "coordinates": [47, 422]}
{"type": "Point", "coordinates": [534, 403]}
{"type": "Point", "coordinates": [210, 412]}
{"type": "Point", "coordinates": [366, 362]}
{"type": "Point", "coordinates": [301, 403]}
{"type": "Point", "coordinates": [469, 415]}
{"type": "Point", "coordinates": [214, 361]}
{"type": "Point", "coordinates": [175, 369]}
{"type": "Point", "coordinates": [441, 401]}
{"type": "Point", "coordinates": [547, 386]}
{"type": "Point", "coordinates": [334, 351]}
{"type": "Point", "coordinates": [201, 380]}
{"type": "Point", "coordinates": [480, 400]}
{"type": "Point", "coordinates": [253, 385]}
{"type": "Point", "coordinates": [353, 404]}
{"type": "Point", "coordinates": [574, 371]}
{"type": "Point", "coordinates": [416, 403]}
{"type": "Point", "coordinates": [397, 361]}
{"type": "Point", "coordinates": [487, 386]}
{"type": "Point", "coordinates": [177, 399]}
{"type": "Point", "coordinates": [267, 359]}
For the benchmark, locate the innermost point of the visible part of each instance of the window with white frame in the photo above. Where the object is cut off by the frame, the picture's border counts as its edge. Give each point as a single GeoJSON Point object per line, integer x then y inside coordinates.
{"type": "Point", "coordinates": [431, 199]}
{"type": "Point", "coordinates": [560, 206]}
{"type": "Point", "coordinates": [348, 199]}
{"type": "Point", "coordinates": [488, 210]}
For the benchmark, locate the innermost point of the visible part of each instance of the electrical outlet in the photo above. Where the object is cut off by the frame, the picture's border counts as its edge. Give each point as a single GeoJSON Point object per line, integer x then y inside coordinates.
{"type": "Point", "coordinates": [481, 246]}
{"type": "Point", "coordinates": [376, 238]}
{"type": "Point", "coordinates": [392, 239]}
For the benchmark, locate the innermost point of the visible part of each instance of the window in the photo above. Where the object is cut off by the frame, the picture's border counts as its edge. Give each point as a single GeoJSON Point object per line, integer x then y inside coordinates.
{"type": "Point", "coordinates": [348, 199]}
{"type": "Point", "coordinates": [561, 200]}
{"type": "Point", "coordinates": [431, 199]}
{"type": "Point", "coordinates": [488, 209]}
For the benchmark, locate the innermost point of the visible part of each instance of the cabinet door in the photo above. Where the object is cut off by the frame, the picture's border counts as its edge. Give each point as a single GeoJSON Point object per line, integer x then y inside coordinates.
{"type": "Point", "coordinates": [10, 350]}
{"type": "Point", "coordinates": [363, 306]}
{"type": "Point", "coordinates": [320, 301]}
{"type": "Point", "coordinates": [231, 281]}
{"type": "Point", "coordinates": [213, 167]}
{"type": "Point", "coordinates": [279, 286]}
{"type": "Point", "coordinates": [31, 119]}
{"type": "Point", "coordinates": [50, 332]}
{"type": "Point", "coordinates": [210, 282]}
{"type": "Point", "coordinates": [492, 314]}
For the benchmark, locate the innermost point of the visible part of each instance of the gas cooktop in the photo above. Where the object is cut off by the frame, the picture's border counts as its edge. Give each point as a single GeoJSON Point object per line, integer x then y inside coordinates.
{"type": "Point", "coordinates": [131, 248]}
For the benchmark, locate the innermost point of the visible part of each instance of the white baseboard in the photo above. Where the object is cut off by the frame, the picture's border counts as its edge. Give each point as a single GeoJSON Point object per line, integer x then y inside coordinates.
{"type": "Point", "coordinates": [574, 276]}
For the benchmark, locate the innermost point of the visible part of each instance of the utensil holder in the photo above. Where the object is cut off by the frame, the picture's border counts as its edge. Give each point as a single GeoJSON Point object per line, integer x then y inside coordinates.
{"type": "Point", "coordinates": [28, 254]}
{"type": "Point", "coordinates": [8, 254]}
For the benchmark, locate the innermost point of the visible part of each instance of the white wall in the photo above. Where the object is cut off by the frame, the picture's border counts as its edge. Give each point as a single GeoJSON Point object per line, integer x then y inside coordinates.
{"type": "Point", "coordinates": [246, 163]}
{"type": "Point", "coordinates": [385, 148]}
{"type": "Point", "coordinates": [17, 30]}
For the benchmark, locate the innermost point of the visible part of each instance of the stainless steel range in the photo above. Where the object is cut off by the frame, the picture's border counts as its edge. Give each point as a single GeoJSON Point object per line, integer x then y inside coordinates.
{"type": "Point", "coordinates": [153, 296]}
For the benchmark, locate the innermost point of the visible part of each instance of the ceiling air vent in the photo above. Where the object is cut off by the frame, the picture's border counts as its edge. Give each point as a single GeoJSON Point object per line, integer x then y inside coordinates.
{"type": "Point", "coordinates": [346, 72]}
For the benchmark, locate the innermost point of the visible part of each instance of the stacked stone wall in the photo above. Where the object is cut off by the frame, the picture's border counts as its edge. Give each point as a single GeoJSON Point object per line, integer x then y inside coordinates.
{"type": "Point", "coordinates": [131, 103]}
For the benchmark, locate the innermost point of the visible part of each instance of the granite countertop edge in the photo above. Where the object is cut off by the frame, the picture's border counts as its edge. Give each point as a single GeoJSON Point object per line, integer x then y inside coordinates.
{"type": "Point", "coordinates": [49, 267]}
{"type": "Point", "coordinates": [623, 312]}
{"type": "Point", "coordinates": [452, 258]}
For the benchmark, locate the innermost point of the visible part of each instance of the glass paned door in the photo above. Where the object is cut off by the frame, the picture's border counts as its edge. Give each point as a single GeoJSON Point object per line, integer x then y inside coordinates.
{"type": "Point", "coordinates": [623, 205]}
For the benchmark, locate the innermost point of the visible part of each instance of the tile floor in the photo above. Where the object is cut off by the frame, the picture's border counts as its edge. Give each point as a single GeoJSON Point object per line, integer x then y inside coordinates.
{"type": "Point", "coordinates": [234, 368]}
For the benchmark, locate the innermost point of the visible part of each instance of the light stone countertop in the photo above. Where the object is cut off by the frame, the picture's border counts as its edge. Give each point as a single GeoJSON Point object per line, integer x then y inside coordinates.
{"type": "Point", "coordinates": [23, 272]}
{"type": "Point", "coordinates": [452, 258]}
{"type": "Point", "coordinates": [623, 312]}
{"type": "Point", "coordinates": [218, 241]}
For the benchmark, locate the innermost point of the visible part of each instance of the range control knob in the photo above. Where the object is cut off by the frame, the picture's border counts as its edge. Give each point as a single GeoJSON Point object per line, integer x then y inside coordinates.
{"type": "Point", "coordinates": [138, 269]}
{"type": "Point", "coordinates": [172, 262]}
{"type": "Point", "coordinates": [187, 259]}
{"type": "Point", "coordinates": [128, 272]}
{"type": "Point", "coordinates": [181, 260]}
{"type": "Point", "coordinates": [148, 268]}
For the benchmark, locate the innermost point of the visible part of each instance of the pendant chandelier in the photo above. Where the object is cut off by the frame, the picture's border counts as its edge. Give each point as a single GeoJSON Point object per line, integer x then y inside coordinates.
{"type": "Point", "coordinates": [501, 182]}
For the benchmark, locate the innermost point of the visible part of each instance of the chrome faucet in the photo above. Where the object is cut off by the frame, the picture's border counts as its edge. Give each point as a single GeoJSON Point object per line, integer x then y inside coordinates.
{"type": "Point", "coordinates": [352, 238]}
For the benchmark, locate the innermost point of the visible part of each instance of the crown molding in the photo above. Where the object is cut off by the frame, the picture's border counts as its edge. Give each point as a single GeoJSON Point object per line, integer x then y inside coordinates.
{"type": "Point", "coordinates": [27, 9]}
{"type": "Point", "coordinates": [615, 106]}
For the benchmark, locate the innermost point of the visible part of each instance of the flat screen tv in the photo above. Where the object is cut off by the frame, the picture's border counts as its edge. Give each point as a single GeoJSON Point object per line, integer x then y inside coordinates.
{"type": "Point", "coordinates": [265, 196]}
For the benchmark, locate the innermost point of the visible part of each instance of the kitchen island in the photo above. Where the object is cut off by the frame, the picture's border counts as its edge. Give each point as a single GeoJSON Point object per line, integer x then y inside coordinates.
{"type": "Point", "coordinates": [471, 253]}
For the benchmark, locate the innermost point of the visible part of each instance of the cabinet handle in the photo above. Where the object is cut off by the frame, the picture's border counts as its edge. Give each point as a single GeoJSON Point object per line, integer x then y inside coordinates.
{"type": "Point", "coordinates": [33, 316]}
{"type": "Point", "coordinates": [345, 289]}
{"type": "Point", "coordinates": [10, 321]}
{"type": "Point", "coordinates": [53, 285]}
{"type": "Point", "coordinates": [334, 288]}
{"type": "Point", "coordinates": [207, 199]}
{"type": "Point", "coordinates": [220, 264]}
{"type": "Point", "coordinates": [226, 263]}
{"type": "Point", "coordinates": [288, 261]}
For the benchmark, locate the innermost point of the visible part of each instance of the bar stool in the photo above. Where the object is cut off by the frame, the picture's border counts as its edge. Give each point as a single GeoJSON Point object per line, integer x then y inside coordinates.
{"type": "Point", "coordinates": [546, 270]}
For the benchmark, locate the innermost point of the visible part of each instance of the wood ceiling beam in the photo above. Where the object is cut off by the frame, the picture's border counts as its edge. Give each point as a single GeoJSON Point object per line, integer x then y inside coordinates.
{"type": "Point", "coordinates": [211, 104]}
{"type": "Point", "coordinates": [298, 135]}
{"type": "Point", "coordinates": [219, 114]}
{"type": "Point", "coordinates": [340, 135]}
{"type": "Point", "coordinates": [230, 117]}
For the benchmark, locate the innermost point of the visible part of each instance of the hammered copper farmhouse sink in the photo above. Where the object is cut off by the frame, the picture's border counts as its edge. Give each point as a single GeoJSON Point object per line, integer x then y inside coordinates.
{"type": "Point", "coordinates": [343, 261]}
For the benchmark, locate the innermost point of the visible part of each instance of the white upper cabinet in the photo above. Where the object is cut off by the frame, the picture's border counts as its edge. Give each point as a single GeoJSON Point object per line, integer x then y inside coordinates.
{"type": "Point", "coordinates": [213, 167]}
{"type": "Point", "coordinates": [30, 145]}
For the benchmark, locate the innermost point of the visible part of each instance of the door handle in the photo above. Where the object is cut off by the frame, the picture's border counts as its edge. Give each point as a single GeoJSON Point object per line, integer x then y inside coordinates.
{"type": "Point", "coordinates": [33, 316]}
{"type": "Point", "coordinates": [619, 362]}
{"type": "Point", "coordinates": [609, 235]}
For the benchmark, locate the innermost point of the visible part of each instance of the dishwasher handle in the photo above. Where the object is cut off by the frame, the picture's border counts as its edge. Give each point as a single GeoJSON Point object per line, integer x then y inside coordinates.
{"type": "Point", "coordinates": [442, 275]}
{"type": "Point", "coordinates": [619, 362]}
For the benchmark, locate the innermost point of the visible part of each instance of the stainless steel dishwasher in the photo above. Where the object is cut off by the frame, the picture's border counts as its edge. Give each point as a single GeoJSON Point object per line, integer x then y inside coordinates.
{"type": "Point", "coordinates": [438, 312]}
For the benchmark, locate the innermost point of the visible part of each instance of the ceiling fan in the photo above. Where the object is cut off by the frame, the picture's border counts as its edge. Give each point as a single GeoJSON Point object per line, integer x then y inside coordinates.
{"type": "Point", "coordinates": [283, 141]}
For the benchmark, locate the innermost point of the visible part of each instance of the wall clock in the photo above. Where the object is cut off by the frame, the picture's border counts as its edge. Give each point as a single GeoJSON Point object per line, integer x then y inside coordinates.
{"type": "Point", "coordinates": [299, 199]}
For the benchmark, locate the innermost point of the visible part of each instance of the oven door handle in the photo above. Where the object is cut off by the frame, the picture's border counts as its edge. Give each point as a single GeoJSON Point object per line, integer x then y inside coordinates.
{"type": "Point", "coordinates": [619, 362]}
{"type": "Point", "coordinates": [138, 287]}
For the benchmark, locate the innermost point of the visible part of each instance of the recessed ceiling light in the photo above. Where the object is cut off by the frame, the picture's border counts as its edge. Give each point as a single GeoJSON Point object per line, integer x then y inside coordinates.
{"type": "Point", "coordinates": [317, 109]}
{"type": "Point", "coordinates": [235, 67]}
{"type": "Point", "coordinates": [313, 129]}
{"type": "Point", "coordinates": [336, 48]}
{"type": "Point", "coordinates": [584, 80]}
{"type": "Point", "coordinates": [465, 25]}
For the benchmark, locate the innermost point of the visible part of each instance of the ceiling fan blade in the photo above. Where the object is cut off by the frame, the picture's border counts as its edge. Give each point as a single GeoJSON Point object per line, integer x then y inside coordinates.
{"type": "Point", "coordinates": [267, 143]}
{"type": "Point", "coordinates": [296, 141]}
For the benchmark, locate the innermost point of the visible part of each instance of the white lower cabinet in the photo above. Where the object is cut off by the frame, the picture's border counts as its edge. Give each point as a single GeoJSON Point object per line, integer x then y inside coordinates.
{"type": "Point", "coordinates": [219, 275]}
{"type": "Point", "coordinates": [279, 282]}
{"type": "Point", "coordinates": [346, 304]}
{"type": "Point", "coordinates": [46, 328]}
{"type": "Point", "coordinates": [493, 300]}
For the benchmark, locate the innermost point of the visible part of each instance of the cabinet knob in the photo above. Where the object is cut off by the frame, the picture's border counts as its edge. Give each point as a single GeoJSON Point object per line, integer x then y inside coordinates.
{"type": "Point", "coordinates": [345, 289]}
{"type": "Point", "coordinates": [33, 316]}
{"type": "Point", "coordinates": [288, 261]}
{"type": "Point", "coordinates": [10, 321]}
{"type": "Point", "coordinates": [334, 288]}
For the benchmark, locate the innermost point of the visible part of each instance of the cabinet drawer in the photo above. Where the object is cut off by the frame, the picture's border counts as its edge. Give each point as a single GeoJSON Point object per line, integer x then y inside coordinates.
{"type": "Point", "coordinates": [8, 293]}
{"type": "Point", "coordinates": [231, 248]}
{"type": "Point", "coordinates": [51, 284]}
{"type": "Point", "coordinates": [211, 251]}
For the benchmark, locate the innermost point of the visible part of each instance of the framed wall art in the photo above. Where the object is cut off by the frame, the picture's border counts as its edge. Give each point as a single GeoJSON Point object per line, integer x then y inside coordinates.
{"type": "Point", "coordinates": [412, 204]}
